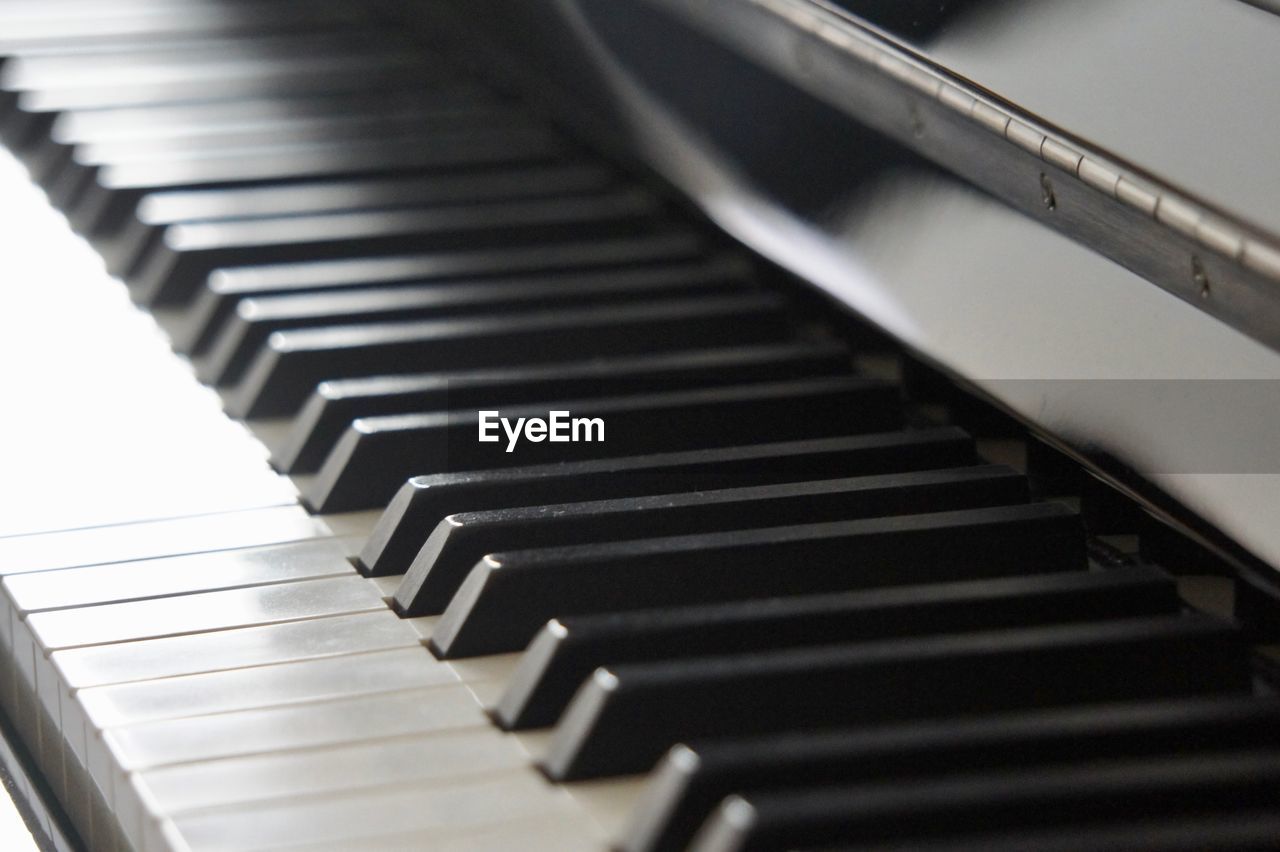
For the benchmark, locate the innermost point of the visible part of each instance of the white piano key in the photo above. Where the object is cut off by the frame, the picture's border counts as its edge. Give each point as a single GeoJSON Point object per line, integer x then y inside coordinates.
{"type": "Point", "coordinates": [48, 754]}
{"type": "Point", "coordinates": [165, 839]}
{"type": "Point", "coordinates": [609, 801]}
{"type": "Point", "coordinates": [386, 586]}
{"type": "Point", "coordinates": [47, 691]}
{"type": "Point", "coordinates": [185, 614]}
{"type": "Point", "coordinates": [175, 575]}
{"type": "Point", "coordinates": [353, 816]}
{"type": "Point", "coordinates": [81, 668]}
{"type": "Point", "coordinates": [280, 729]}
{"type": "Point", "coordinates": [273, 730]}
{"type": "Point", "coordinates": [263, 686]}
{"type": "Point", "coordinates": [45, 632]}
{"type": "Point", "coordinates": [540, 834]}
{"type": "Point", "coordinates": [24, 685]}
{"type": "Point", "coordinates": [7, 687]}
{"type": "Point", "coordinates": [486, 677]}
{"type": "Point", "coordinates": [301, 684]}
{"type": "Point", "coordinates": [496, 667]}
{"type": "Point", "coordinates": [81, 797]}
{"type": "Point", "coordinates": [147, 540]}
{"type": "Point", "coordinates": [439, 757]}
{"type": "Point", "coordinates": [148, 659]}
{"type": "Point", "coordinates": [180, 608]}
{"type": "Point", "coordinates": [353, 524]}
{"type": "Point", "coordinates": [423, 625]}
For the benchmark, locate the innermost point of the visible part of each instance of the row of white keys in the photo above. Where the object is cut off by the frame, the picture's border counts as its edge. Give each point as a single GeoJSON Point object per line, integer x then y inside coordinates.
{"type": "Point", "coordinates": [94, 585]}
{"type": "Point", "coordinates": [160, 473]}
{"type": "Point", "coordinates": [49, 590]}
{"type": "Point", "coordinates": [157, 538]}
{"type": "Point", "coordinates": [123, 654]}
{"type": "Point", "coordinates": [106, 432]}
{"type": "Point", "coordinates": [424, 764]}
{"type": "Point", "coordinates": [386, 762]}
{"type": "Point", "coordinates": [457, 808]}
{"type": "Point", "coordinates": [117, 552]}
{"type": "Point", "coordinates": [97, 683]}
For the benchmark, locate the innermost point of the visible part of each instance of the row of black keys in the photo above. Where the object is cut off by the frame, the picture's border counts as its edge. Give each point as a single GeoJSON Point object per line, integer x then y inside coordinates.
{"type": "Point", "coordinates": [815, 596]}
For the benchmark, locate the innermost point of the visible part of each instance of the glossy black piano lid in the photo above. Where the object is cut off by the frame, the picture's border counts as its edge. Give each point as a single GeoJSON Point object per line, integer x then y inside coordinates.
{"type": "Point", "coordinates": [782, 158]}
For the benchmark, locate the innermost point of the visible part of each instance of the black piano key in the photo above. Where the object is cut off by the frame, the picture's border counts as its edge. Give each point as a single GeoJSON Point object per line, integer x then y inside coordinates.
{"type": "Point", "coordinates": [50, 65]}
{"type": "Point", "coordinates": [121, 124]}
{"type": "Point", "coordinates": [625, 717]}
{"type": "Point", "coordinates": [1225, 829]}
{"type": "Point", "coordinates": [292, 363]}
{"type": "Point", "coordinates": [200, 123]}
{"type": "Point", "coordinates": [56, 161]}
{"type": "Point", "coordinates": [93, 27]}
{"type": "Point", "coordinates": [212, 57]}
{"type": "Point", "coordinates": [460, 540]}
{"type": "Point", "coordinates": [692, 779]}
{"type": "Point", "coordinates": [508, 597]}
{"type": "Point", "coordinates": [422, 501]}
{"type": "Point", "coordinates": [54, 64]}
{"type": "Point", "coordinates": [375, 454]}
{"type": "Point", "coordinates": [66, 176]}
{"type": "Point", "coordinates": [1057, 798]}
{"type": "Point", "coordinates": [156, 211]}
{"type": "Point", "coordinates": [256, 319]}
{"type": "Point", "coordinates": [34, 111]}
{"type": "Point", "coordinates": [114, 192]}
{"type": "Point", "coordinates": [567, 650]}
{"type": "Point", "coordinates": [334, 405]}
{"type": "Point", "coordinates": [75, 22]}
{"type": "Point", "coordinates": [370, 123]}
{"type": "Point", "coordinates": [55, 73]}
{"type": "Point", "coordinates": [276, 69]}
{"type": "Point", "coordinates": [185, 255]}
{"type": "Point", "coordinates": [196, 324]}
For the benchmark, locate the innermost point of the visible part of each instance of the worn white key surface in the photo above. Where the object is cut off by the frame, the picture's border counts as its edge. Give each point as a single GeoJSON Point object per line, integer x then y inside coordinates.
{"type": "Point", "coordinates": [275, 729]}
{"type": "Point", "coordinates": [146, 540]}
{"type": "Point", "coordinates": [262, 686]}
{"type": "Point", "coordinates": [387, 762]}
{"type": "Point", "coordinates": [155, 662]}
{"type": "Point", "coordinates": [465, 805]}
{"type": "Point", "coordinates": [175, 575]}
{"type": "Point", "coordinates": [230, 649]}
{"type": "Point", "coordinates": [262, 731]}
{"type": "Point", "coordinates": [540, 834]}
{"type": "Point", "coordinates": [125, 622]}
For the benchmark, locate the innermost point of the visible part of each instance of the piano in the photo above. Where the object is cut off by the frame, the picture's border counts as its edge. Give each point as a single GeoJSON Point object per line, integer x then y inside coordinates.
{"type": "Point", "coordinates": [640, 424]}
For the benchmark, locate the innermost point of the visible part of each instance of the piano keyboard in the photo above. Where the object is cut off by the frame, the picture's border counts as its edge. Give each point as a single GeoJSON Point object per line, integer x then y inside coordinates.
{"type": "Point", "coordinates": [774, 609]}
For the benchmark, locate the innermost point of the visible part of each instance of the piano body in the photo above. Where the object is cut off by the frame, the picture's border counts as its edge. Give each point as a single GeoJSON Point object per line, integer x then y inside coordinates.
{"type": "Point", "coordinates": [934, 348]}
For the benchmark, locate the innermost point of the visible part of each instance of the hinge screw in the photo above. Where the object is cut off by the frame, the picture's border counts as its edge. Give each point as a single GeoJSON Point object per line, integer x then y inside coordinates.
{"type": "Point", "coordinates": [1200, 276]}
{"type": "Point", "coordinates": [1046, 192]}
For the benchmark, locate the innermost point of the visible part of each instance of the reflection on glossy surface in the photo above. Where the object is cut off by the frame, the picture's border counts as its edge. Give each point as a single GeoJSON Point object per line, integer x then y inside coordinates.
{"type": "Point", "coordinates": [1187, 89]}
{"type": "Point", "coordinates": [207, 611]}
{"type": "Point", "coordinates": [971, 284]}
{"type": "Point", "coordinates": [1076, 343]}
